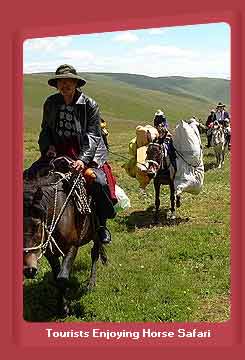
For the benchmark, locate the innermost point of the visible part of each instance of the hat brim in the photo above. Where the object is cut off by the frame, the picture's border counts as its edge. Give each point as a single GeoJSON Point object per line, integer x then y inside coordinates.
{"type": "Point", "coordinates": [220, 105]}
{"type": "Point", "coordinates": [53, 81]}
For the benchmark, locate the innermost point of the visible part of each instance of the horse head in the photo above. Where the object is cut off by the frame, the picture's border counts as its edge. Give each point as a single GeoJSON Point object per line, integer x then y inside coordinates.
{"type": "Point", "coordinates": [217, 136]}
{"type": "Point", "coordinates": [33, 228]}
{"type": "Point", "coordinates": [38, 202]}
{"type": "Point", "coordinates": [156, 158]}
{"type": "Point", "coordinates": [153, 159]}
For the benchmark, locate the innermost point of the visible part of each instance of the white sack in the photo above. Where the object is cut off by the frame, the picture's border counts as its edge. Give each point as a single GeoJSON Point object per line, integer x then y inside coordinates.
{"type": "Point", "coordinates": [190, 168]}
{"type": "Point", "coordinates": [188, 178]}
{"type": "Point", "coordinates": [187, 142]}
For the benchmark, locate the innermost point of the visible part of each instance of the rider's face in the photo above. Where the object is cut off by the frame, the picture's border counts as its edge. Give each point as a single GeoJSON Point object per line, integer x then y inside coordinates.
{"type": "Point", "coordinates": [67, 87]}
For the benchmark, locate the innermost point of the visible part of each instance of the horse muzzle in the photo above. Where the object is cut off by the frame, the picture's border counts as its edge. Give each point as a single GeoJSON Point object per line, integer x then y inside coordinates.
{"type": "Point", "coordinates": [30, 272]}
{"type": "Point", "coordinates": [30, 265]}
{"type": "Point", "coordinates": [151, 174]}
{"type": "Point", "coordinates": [152, 170]}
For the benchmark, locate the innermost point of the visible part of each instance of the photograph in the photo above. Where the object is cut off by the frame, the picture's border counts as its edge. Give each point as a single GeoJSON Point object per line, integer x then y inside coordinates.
{"type": "Point", "coordinates": [127, 148]}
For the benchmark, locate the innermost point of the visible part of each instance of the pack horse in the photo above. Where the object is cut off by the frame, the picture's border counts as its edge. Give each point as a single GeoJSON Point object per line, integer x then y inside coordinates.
{"type": "Point", "coordinates": [163, 172]}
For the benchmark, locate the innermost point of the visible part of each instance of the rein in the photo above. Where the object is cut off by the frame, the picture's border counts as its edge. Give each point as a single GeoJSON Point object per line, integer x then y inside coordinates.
{"type": "Point", "coordinates": [161, 166]}
{"type": "Point", "coordinates": [126, 158]}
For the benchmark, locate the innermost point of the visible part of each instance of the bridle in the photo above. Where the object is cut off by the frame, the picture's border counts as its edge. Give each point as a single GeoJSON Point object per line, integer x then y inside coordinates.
{"type": "Point", "coordinates": [163, 164]}
{"type": "Point", "coordinates": [48, 230]}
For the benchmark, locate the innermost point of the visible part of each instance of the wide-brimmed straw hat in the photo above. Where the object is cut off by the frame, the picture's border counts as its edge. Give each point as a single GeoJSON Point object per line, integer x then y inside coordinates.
{"type": "Point", "coordinates": [220, 104]}
{"type": "Point", "coordinates": [66, 72]}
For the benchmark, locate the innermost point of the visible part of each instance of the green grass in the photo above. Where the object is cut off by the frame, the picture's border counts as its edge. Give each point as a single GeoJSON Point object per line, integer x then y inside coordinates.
{"type": "Point", "coordinates": [157, 273]}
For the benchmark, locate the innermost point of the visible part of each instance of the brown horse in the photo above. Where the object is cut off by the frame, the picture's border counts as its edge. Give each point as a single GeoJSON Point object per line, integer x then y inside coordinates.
{"type": "Point", "coordinates": [54, 227]}
{"type": "Point", "coordinates": [163, 172]}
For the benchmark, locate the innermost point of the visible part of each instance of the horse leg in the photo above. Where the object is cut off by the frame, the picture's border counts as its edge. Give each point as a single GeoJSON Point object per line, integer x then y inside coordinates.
{"type": "Point", "coordinates": [95, 252]}
{"type": "Point", "coordinates": [172, 215]}
{"type": "Point", "coordinates": [63, 279]}
{"type": "Point", "coordinates": [157, 198]}
{"type": "Point", "coordinates": [54, 263]}
{"type": "Point", "coordinates": [217, 157]}
{"type": "Point", "coordinates": [178, 201]}
{"type": "Point", "coordinates": [219, 160]}
{"type": "Point", "coordinates": [223, 157]}
{"type": "Point", "coordinates": [63, 276]}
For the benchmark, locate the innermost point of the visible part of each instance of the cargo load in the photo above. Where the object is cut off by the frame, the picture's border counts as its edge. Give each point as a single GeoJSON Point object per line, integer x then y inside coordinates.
{"type": "Point", "coordinates": [189, 159]}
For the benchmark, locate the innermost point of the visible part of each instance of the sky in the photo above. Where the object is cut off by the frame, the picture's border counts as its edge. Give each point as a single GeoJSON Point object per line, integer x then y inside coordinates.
{"type": "Point", "coordinates": [192, 51]}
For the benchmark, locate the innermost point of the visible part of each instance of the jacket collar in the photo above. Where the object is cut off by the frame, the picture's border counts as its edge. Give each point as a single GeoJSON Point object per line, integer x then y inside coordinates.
{"type": "Point", "coordinates": [79, 98]}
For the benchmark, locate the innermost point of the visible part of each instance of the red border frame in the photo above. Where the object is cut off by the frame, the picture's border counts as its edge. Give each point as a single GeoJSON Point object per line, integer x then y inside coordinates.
{"type": "Point", "coordinates": [23, 21]}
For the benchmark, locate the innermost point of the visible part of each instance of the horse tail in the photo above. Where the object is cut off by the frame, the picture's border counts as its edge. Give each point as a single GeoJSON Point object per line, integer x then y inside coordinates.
{"type": "Point", "coordinates": [103, 255]}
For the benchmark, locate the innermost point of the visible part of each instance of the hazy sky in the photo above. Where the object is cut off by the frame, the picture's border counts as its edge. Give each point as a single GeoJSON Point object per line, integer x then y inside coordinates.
{"type": "Point", "coordinates": [197, 50]}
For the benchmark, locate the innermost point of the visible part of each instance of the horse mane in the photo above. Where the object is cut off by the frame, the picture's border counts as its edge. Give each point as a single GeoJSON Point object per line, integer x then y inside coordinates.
{"type": "Point", "coordinates": [37, 193]}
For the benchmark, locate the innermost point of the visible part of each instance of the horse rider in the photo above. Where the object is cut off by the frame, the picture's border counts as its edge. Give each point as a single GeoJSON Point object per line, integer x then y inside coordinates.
{"type": "Point", "coordinates": [161, 124]}
{"type": "Point", "coordinates": [71, 126]}
{"type": "Point", "coordinates": [160, 118]}
{"type": "Point", "coordinates": [221, 114]}
{"type": "Point", "coordinates": [209, 123]}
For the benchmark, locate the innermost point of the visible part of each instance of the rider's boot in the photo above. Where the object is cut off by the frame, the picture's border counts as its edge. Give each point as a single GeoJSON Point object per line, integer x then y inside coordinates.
{"type": "Point", "coordinates": [103, 233]}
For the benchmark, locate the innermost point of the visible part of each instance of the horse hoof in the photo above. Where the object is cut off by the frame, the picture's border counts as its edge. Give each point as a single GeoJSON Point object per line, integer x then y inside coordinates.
{"type": "Point", "coordinates": [156, 217]}
{"type": "Point", "coordinates": [171, 215]}
{"type": "Point", "coordinates": [64, 311]}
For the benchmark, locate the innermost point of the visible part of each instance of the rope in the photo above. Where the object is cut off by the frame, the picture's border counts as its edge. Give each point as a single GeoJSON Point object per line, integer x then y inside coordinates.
{"type": "Point", "coordinates": [182, 157]}
{"type": "Point", "coordinates": [36, 247]}
{"type": "Point", "coordinates": [54, 223]}
{"type": "Point", "coordinates": [126, 158]}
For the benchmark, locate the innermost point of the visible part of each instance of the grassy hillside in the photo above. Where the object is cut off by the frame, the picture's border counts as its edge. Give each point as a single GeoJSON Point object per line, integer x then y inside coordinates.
{"type": "Point", "coordinates": [160, 273]}
{"type": "Point", "coordinates": [199, 88]}
{"type": "Point", "coordinates": [134, 97]}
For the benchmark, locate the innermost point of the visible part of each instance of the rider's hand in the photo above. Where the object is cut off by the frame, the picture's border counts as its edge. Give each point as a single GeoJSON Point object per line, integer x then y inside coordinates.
{"type": "Point", "coordinates": [78, 165]}
{"type": "Point", "coordinates": [51, 153]}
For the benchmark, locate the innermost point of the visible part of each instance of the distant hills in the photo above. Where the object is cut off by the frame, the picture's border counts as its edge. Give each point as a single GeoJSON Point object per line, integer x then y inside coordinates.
{"type": "Point", "coordinates": [134, 98]}
{"type": "Point", "coordinates": [208, 89]}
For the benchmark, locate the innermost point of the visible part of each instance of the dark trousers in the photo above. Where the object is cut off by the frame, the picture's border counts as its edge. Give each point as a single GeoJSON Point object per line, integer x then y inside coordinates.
{"type": "Point", "coordinates": [101, 194]}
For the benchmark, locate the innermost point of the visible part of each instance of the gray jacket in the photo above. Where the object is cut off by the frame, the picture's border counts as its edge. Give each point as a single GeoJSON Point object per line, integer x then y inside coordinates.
{"type": "Point", "coordinates": [87, 123]}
